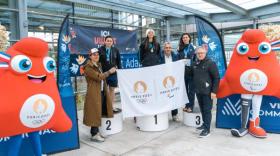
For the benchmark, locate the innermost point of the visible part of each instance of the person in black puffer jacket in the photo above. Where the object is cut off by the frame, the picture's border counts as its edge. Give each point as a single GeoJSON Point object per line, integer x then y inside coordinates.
{"type": "Point", "coordinates": [206, 82]}
{"type": "Point", "coordinates": [150, 50]}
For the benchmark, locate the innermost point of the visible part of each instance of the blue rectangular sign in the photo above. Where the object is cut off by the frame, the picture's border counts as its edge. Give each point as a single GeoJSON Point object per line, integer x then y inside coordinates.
{"type": "Point", "coordinates": [229, 111]}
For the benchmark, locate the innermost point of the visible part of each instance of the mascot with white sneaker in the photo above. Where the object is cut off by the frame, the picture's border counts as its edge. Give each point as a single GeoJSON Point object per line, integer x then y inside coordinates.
{"type": "Point", "coordinates": [253, 72]}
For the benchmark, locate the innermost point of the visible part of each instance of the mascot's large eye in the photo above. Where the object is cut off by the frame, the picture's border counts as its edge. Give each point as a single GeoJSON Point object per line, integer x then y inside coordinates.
{"type": "Point", "coordinates": [242, 48]}
{"type": "Point", "coordinates": [21, 63]}
{"type": "Point", "coordinates": [264, 48]}
{"type": "Point", "coordinates": [49, 64]}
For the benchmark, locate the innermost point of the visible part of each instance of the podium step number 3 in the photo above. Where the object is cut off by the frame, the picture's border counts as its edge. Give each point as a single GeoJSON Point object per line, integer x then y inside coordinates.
{"type": "Point", "coordinates": [192, 119]}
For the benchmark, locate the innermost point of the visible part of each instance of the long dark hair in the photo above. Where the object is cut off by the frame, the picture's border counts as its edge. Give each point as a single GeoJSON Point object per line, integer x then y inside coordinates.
{"type": "Point", "coordinates": [181, 43]}
{"type": "Point", "coordinates": [146, 41]}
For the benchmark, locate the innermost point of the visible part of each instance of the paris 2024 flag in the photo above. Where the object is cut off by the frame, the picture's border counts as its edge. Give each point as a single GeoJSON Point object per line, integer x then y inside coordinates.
{"type": "Point", "coordinates": [152, 90]}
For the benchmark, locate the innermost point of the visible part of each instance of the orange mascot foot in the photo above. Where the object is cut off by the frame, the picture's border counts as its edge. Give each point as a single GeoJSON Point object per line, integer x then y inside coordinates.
{"type": "Point", "coordinates": [255, 130]}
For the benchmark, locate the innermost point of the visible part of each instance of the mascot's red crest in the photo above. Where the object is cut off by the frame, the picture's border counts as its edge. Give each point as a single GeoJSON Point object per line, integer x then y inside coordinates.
{"type": "Point", "coordinates": [30, 100]}
{"type": "Point", "coordinates": [253, 68]}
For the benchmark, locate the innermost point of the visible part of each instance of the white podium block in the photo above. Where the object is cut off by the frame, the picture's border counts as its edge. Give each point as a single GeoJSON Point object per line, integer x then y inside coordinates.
{"type": "Point", "coordinates": [111, 126]}
{"type": "Point", "coordinates": [152, 123]}
{"type": "Point", "coordinates": [192, 119]}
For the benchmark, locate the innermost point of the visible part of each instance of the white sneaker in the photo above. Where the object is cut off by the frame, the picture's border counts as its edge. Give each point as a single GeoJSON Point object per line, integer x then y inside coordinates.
{"type": "Point", "coordinates": [97, 138]}
{"type": "Point", "coordinates": [116, 110]}
{"type": "Point", "coordinates": [175, 118]}
{"type": "Point", "coordinates": [102, 136]}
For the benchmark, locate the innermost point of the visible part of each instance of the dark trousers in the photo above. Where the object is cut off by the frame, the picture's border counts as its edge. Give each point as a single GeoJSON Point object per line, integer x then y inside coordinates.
{"type": "Point", "coordinates": [104, 104]}
{"type": "Point", "coordinates": [205, 105]}
{"type": "Point", "coordinates": [95, 130]}
{"type": "Point", "coordinates": [190, 92]}
{"type": "Point", "coordinates": [174, 112]}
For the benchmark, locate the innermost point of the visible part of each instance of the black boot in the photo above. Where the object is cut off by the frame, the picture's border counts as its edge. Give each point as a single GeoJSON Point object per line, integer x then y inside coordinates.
{"type": "Point", "coordinates": [244, 119]}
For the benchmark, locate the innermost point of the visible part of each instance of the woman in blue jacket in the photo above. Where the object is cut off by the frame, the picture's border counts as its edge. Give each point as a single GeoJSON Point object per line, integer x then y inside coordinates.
{"type": "Point", "coordinates": [187, 51]}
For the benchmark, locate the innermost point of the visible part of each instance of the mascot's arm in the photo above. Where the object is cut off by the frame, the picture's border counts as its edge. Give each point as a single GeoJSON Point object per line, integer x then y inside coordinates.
{"type": "Point", "coordinates": [63, 122]}
{"type": "Point", "coordinates": [224, 89]}
{"type": "Point", "coordinates": [278, 94]}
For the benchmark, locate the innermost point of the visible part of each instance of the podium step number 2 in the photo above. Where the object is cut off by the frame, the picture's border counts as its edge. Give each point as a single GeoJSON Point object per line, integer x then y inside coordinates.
{"type": "Point", "coordinates": [113, 125]}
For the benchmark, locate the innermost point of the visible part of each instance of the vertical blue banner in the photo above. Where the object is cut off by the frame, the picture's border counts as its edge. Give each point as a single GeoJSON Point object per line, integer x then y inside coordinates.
{"type": "Point", "coordinates": [210, 39]}
{"type": "Point", "coordinates": [84, 38]}
{"type": "Point", "coordinates": [63, 59]}
{"type": "Point", "coordinates": [69, 140]}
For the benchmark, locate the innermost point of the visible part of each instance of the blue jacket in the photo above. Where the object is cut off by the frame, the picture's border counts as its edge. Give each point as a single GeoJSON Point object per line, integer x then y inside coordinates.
{"type": "Point", "coordinates": [162, 58]}
{"type": "Point", "coordinates": [190, 55]}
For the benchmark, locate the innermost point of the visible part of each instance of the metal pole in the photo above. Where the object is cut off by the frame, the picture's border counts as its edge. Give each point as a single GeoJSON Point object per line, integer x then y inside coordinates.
{"type": "Point", "coordinates": [167, 30]}
{"type": "Point", "coordinates": [22, 18]}
{"type": "Point", "coordinates": [73, 12]}
{"type": "Point", "coordinates": [141, 28]}
{"type": "Point", "coordinates": [75, 78]}
{"type": "Point", "coordinates": [112, 18]}
{"type": "Point", "coordinates": [255, 23]}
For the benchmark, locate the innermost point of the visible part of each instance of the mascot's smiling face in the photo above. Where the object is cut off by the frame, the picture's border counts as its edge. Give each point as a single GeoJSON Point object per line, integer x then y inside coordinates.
{"type": "Point", "coordinates": [252, 49]}
{"type": "Point", "coordinates": [30, 63]}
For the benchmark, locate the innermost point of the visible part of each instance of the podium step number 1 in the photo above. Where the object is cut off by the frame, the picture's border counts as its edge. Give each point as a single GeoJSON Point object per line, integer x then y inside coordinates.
{"type": "Point", "coordinates": [157, 122]}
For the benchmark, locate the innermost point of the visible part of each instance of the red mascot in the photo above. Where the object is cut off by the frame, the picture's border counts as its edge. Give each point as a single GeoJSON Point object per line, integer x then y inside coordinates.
{"type": "Point", "coordinates": [253, 71]}
{"type": "Point", "coordinates": [30, 100]}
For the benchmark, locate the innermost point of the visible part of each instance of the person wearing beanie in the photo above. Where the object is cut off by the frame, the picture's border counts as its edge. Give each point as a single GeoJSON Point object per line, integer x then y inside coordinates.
{"type": "Point", "coordinates": [97, 100]}
{"type": "Point", "coordinates": [150, 50]}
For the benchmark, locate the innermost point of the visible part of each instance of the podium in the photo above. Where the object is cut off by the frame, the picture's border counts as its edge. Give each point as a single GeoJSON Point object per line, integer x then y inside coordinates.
{"type": "Point", "coordinates": [193, 119]}
{"type": "Point", "coordinates": [111, 126]}
{"type": "Point", "coordinates": [153, 123]}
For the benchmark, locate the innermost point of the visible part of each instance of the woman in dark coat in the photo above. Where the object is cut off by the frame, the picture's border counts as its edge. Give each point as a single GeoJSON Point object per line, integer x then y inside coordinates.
{"type": "Point", "coordinates": [97, 101]}
{"type": "Point", "coordinates": [150, 50]}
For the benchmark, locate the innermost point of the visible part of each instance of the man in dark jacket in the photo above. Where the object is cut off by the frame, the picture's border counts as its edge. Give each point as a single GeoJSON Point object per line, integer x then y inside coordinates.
{"type": "Point", "coordinates": [109, 58]}
{"type": "Point", "coordinates": [206, 81]}
{"type": "Point", "coordinates": [165, 57]}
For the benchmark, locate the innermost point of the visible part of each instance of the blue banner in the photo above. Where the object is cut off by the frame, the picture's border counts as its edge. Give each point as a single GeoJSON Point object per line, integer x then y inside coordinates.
{"type": "Point", "coordinates": [210, 39]}
{"type": "Point", "coordinates": [130, 60]}
{"type": "Point", "coordinates": [63, 59]}
{"type": "Point", "coordinates": [84, 38]}
{"type": "Point", "coordinates": [69, 140]}
{"type": "Point", "coordinates": [229, 111]}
